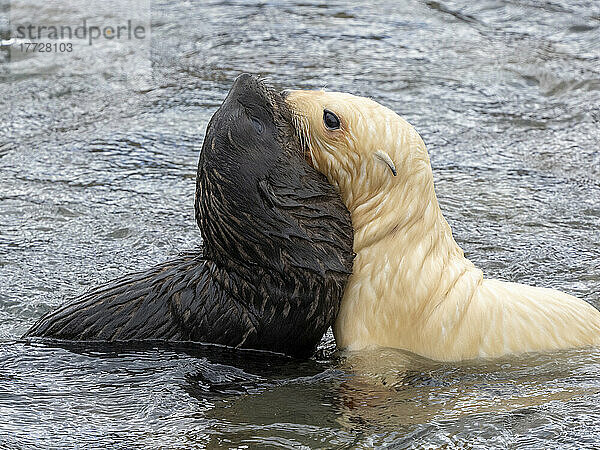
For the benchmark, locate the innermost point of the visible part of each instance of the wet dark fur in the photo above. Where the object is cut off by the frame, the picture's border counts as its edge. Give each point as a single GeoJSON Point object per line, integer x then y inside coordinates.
{"type": "Point", "coordinates": [276, 253]}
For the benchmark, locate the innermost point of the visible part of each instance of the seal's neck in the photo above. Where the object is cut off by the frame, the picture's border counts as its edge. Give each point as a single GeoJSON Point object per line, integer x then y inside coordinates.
{"type": "Point", "coordinates": [404, 208]}
{"type": "Point", "coordinates": [400, 232]}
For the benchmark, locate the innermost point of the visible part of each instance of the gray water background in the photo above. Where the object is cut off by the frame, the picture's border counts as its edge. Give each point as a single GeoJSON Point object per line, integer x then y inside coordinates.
{"type": "Point", "coordinates": [97, 179]}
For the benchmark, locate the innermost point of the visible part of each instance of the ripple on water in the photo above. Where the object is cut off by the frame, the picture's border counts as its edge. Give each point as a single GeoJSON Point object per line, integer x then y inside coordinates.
{"type": "Point", "coordinates": [97, 179]}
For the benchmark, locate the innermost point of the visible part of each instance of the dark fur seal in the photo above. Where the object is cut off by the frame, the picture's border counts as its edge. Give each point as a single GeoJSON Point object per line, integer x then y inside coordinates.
{"type": "Point", "coordinates": [276, 251]}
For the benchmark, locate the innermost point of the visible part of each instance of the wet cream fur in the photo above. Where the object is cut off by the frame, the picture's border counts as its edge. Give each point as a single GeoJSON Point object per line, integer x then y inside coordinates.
{"type": "Point", "coordinates": [411, 287]}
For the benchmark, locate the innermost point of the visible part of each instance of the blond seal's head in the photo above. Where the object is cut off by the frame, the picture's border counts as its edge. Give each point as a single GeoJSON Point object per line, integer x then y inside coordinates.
{"type": "Point", "coordinates": [369, 152]}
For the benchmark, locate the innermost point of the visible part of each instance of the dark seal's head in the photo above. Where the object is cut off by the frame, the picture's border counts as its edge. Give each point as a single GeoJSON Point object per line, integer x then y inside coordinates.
{"type": "Point", "coordinates": [275, 229]}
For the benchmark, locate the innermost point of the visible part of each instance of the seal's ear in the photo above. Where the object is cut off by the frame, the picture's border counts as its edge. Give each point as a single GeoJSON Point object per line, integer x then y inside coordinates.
{"type": "Point", "coordinates": [384, 157]}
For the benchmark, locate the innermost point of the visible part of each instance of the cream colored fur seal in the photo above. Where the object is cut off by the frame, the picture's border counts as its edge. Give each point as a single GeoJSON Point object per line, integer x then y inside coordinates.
{"type": "Point", "coordinates": [411, 287]}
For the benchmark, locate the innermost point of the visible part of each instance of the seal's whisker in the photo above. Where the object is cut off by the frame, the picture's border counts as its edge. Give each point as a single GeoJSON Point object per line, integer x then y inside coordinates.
{"type": "Point", "coordinates": [266, 79]}
{"type": "Point", "coordinates": [297, 113]}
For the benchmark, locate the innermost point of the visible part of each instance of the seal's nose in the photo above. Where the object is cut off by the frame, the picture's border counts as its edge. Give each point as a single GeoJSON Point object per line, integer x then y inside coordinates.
{"type": "Point", "coordinates": [243, 86]}
{"type": "Point", "coordinates": [244, 79]}
{"type": "Point", "coordinates": [245, 82]}
{"type": "Point", "coordinates": [285, 93]}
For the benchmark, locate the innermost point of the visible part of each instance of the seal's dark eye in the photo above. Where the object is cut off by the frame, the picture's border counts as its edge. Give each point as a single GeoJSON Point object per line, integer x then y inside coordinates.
{"type": "Point", "coordinates": [257, 124]}
{"type": "Point", "coordinates": [331, 120]}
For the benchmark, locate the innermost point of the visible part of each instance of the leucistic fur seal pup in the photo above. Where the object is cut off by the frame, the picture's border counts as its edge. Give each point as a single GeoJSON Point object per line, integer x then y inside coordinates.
{"type": "Point", "coordinates": [411, 286]}
{"type": "Point", "coordinates": [276, 251]}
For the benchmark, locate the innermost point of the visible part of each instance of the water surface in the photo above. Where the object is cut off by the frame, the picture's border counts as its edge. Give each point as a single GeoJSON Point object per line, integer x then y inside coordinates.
{"type": "Point", "coordinates": [97, 179]}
